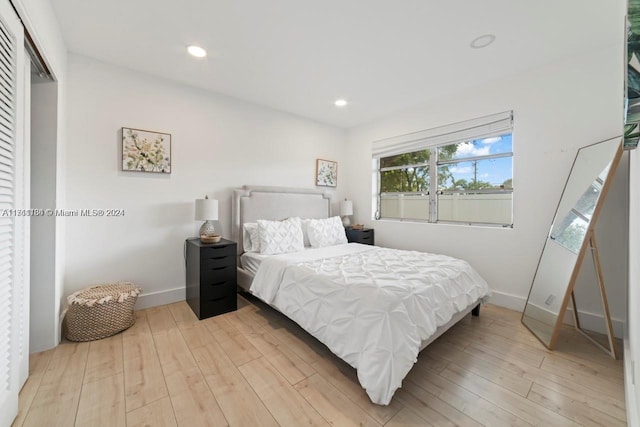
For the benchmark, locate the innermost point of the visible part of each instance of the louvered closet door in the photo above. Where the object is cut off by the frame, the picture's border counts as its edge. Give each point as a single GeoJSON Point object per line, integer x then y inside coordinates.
{"type": "Point", "coordinates": [11, 122]}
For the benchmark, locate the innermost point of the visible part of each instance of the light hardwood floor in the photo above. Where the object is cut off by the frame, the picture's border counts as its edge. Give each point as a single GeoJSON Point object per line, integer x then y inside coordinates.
{"type": "Point", "coordinates": [255, 367]}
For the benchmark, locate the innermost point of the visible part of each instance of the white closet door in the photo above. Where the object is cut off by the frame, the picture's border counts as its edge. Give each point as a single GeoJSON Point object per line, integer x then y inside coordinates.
{"type": "Point", "coordinates": [12, 226]}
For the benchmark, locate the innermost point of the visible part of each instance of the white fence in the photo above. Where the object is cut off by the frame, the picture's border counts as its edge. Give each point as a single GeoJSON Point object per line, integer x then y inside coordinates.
{"type": "Point", "coordinates": [491, 208]}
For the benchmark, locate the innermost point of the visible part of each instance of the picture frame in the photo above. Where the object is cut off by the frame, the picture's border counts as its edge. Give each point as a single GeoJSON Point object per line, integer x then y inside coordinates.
{"type": "Point", "coordinates": [146, 151]}
{"type": "Point", "coordinates": [326, 173]}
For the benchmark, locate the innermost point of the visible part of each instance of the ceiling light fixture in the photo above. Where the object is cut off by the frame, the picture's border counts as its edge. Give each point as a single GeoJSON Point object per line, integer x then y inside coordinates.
{"type": "Point", "coordinates": [196, 51]}
{"type": "Point", "coordinates": [340, 102]}
{"type": "Point", "coordinates": [482, 41]}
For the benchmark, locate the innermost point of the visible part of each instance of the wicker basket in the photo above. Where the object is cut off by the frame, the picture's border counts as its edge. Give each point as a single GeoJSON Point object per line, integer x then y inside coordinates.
{"type": "Point", "coordinates": [100, 311]}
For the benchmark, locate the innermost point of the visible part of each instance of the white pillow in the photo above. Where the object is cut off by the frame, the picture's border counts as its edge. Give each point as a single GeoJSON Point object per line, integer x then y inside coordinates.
{"type": "Point", "coordinates": [305, 232]}
{"type": "Point", "coordinates": [250, 239]}
{"type": "Point", "coordinates": [280, 237]}
{"type": "Point", "coordinates": [326, 232]}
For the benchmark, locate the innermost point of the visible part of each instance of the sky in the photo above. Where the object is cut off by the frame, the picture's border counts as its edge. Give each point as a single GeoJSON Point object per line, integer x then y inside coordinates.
{"type": "Point", "coordinates": [494, 171]}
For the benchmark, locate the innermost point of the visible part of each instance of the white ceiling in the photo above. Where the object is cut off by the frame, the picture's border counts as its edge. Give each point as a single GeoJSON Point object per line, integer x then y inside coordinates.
{"type": "Point", "coordinates": [299, 56]}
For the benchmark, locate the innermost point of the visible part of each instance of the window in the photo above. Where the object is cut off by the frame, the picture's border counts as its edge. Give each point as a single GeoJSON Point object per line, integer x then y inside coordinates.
{"type": "Point", "coordinates": [459, 173]}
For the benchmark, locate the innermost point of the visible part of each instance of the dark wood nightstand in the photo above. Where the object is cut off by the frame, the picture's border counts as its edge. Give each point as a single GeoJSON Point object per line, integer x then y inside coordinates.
{"type": "Point", "coordinates": [364, 236]}
{"type": "Point", "coordinates": [211, 277]}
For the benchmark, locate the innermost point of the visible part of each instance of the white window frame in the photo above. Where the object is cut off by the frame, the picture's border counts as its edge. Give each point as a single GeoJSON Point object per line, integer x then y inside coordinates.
{"type": "Point", "coordinates": [484, 127]}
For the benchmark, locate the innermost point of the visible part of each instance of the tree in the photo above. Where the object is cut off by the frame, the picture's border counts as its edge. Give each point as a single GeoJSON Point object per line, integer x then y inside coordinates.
{"type": "Point", "coordinates": [444, 174]}
{"type": "Point", "coordinates": [410, 179]}
{"type": "Point", "coordinates": [416, 179]}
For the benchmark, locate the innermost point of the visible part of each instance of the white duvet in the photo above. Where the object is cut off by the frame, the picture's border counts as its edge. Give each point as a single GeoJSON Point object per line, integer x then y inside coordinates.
{"type": "Point", "coordinates": [371, 306]}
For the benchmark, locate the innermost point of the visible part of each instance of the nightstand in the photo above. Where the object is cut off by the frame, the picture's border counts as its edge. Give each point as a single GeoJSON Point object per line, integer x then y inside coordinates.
{"type": "Point", "coordinates": [211, 277]}
{"type": "Point", "coordinates": [364, 236]}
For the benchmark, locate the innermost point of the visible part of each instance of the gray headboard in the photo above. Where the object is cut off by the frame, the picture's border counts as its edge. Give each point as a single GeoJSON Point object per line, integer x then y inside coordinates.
{"type": "Point", "coordinates": [251, 203]}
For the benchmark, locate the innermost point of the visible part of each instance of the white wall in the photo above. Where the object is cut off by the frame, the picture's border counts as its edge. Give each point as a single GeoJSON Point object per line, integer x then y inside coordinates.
{"type": "Point", "coordinates": [632, 335]}
{"type": "Point", "coordinates": [558, 108]}
{"type": "Point", "coordinates": [218, 143]}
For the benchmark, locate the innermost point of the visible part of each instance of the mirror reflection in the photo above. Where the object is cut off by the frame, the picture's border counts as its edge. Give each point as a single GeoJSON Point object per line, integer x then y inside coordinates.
{"type": "Point", "coordinates": [571, 230]}
{"type": "Point", "coordinates": [567, 241]}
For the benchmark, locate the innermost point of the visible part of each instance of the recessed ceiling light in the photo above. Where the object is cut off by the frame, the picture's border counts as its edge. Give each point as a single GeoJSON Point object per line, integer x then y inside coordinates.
{"type": "Point", "coordinates": [482, 41]}
{"type": "Point", "coordinates": [197, 51]}
{"type": "Point", "coordinates": [340, 102]}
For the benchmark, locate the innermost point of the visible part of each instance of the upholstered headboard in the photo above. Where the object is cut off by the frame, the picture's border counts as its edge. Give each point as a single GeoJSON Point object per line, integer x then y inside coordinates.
{"type": "Point", "coordinates": [251, 203]}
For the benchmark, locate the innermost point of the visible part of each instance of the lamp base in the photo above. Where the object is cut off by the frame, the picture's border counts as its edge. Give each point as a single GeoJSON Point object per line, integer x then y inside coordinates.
{"type": "Point", "coordinates": [207, 228]}
{"type": "Point", "coordinates": [346, 221]}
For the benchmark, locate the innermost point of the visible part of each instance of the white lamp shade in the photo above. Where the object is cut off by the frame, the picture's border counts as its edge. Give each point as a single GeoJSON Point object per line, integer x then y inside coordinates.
{"type": "Point", "coordinates": [346, 207]}
{"type": "Point", "coordinates": [206, 209]}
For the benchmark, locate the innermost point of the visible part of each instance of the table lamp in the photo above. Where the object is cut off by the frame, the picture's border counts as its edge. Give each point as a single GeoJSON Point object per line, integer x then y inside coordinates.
{"type": "Point", "coordinates": [207, 211]}
{"type": "Point", "coordinates": [346, 209]}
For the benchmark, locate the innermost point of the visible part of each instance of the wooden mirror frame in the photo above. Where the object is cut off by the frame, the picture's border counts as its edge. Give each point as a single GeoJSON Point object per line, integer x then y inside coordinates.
{"type": "Point", "coordinates": [589, 241]}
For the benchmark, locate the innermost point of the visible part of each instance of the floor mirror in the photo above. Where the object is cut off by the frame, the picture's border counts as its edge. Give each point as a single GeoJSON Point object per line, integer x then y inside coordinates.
{"type": "Point", "coordinates": [571, 239]}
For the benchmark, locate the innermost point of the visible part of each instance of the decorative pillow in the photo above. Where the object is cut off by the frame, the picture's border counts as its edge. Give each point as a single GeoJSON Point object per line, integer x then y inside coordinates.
{"type": "Point", "coordinates": [250, 239]}
{"type": "Point", "coordinates": [280, 237]}
{"type": "Point", "coordinates": [326, 232]}
{"type": "Point", "coordinates": [305, 232]}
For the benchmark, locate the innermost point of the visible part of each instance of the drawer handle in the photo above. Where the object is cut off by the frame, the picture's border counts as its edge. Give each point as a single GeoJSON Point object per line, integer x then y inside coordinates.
{"type": "Point", "coordinates": [218, 283]}
{"type": "Point", "coordinates": [218, 257]}
{"type": "Point", "coordinates": [220, 268]}
{"type": "Point", "coordinates": [218, 299]}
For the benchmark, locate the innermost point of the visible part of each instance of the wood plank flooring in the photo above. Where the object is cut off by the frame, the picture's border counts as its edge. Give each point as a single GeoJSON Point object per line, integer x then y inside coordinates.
{"type": "Point", "coordinates": [255, 367]}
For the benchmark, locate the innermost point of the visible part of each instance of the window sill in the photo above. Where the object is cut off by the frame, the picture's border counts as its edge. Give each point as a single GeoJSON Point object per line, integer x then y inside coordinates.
{"type": "Point", "coordinates": [446, 223]}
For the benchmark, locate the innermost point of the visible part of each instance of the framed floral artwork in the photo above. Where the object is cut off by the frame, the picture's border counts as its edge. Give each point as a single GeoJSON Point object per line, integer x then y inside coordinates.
{"type": "Point", "coordinates": [146, 151]}
{"type": "Point", "coordinates": [326, 173]}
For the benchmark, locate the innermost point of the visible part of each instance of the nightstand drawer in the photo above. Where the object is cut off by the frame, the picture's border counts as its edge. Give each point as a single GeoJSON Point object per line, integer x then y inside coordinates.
{"type": "Point", "coordinates": [364, 236]}
{"type": "Point", "coordinates": [214, 262]}
{"type": "Point", "coordinates": [218, 274]}
{"type": "Point", "coordinates": [215, 306]}
{"type": "Point", "coordinates": [217, 290]}
{"type": "Point", "coordinates": [217, 251]}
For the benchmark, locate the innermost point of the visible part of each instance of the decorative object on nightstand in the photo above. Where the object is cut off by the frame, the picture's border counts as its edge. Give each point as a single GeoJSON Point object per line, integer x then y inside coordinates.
{"type": "Point", "coordinates": [207, 211]}
{"type": "Point", "coordinates": [211, 277]}
{"type": "Point", "coordinates": [210, 238]}
{"type": "Point", "coordinates": [360, 235]}
{"type": "Point", "coordinates": [346, 210]}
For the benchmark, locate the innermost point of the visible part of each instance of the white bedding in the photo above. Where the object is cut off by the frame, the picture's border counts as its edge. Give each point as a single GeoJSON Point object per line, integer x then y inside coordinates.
{"type": "Point", "coordinates": [251, 261]}
{"type": "Point", "coordinates": [371, 306]}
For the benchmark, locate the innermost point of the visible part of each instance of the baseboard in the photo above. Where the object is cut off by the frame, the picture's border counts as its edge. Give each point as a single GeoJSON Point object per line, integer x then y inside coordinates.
{"type": "Point", "coordinates": [153, 299]}
{"type": "Point", "coordinates": [591, 321]}
{"type": "Point", "coordinates": [595, 322]}
{"type": "Point", "coordinates": [503, 299]}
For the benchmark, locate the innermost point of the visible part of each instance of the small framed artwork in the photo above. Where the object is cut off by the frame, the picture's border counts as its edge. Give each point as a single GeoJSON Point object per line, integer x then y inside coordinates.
{"type": "Point", "coordinates": [146, 151]}
{"type": "Point", "coordinates": [326, 173]}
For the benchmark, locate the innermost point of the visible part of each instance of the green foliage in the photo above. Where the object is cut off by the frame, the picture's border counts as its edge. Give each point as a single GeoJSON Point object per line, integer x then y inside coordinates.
{"type": "Point", "coordinates": [463, 184]}
{"type": "Point", "coordinates": [571, 236]}
{"type": "Point", "coordinates": [633, 75]}
{"type": "Point", "coordinates": [416, 178]}
{"type": "Point", "coordinates": [411, 179]}
{"type": "Point", "coordinates": [631, 134]}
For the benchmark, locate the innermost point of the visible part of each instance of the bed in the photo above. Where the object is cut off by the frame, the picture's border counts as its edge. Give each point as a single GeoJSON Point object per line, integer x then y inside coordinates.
{"type": "Point", "coordinates": [374, 307]}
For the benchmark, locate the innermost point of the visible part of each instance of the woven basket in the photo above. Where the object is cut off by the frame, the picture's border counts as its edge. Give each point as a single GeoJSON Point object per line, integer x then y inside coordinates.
{"type": "Point", "coordinates": [100, 311]}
